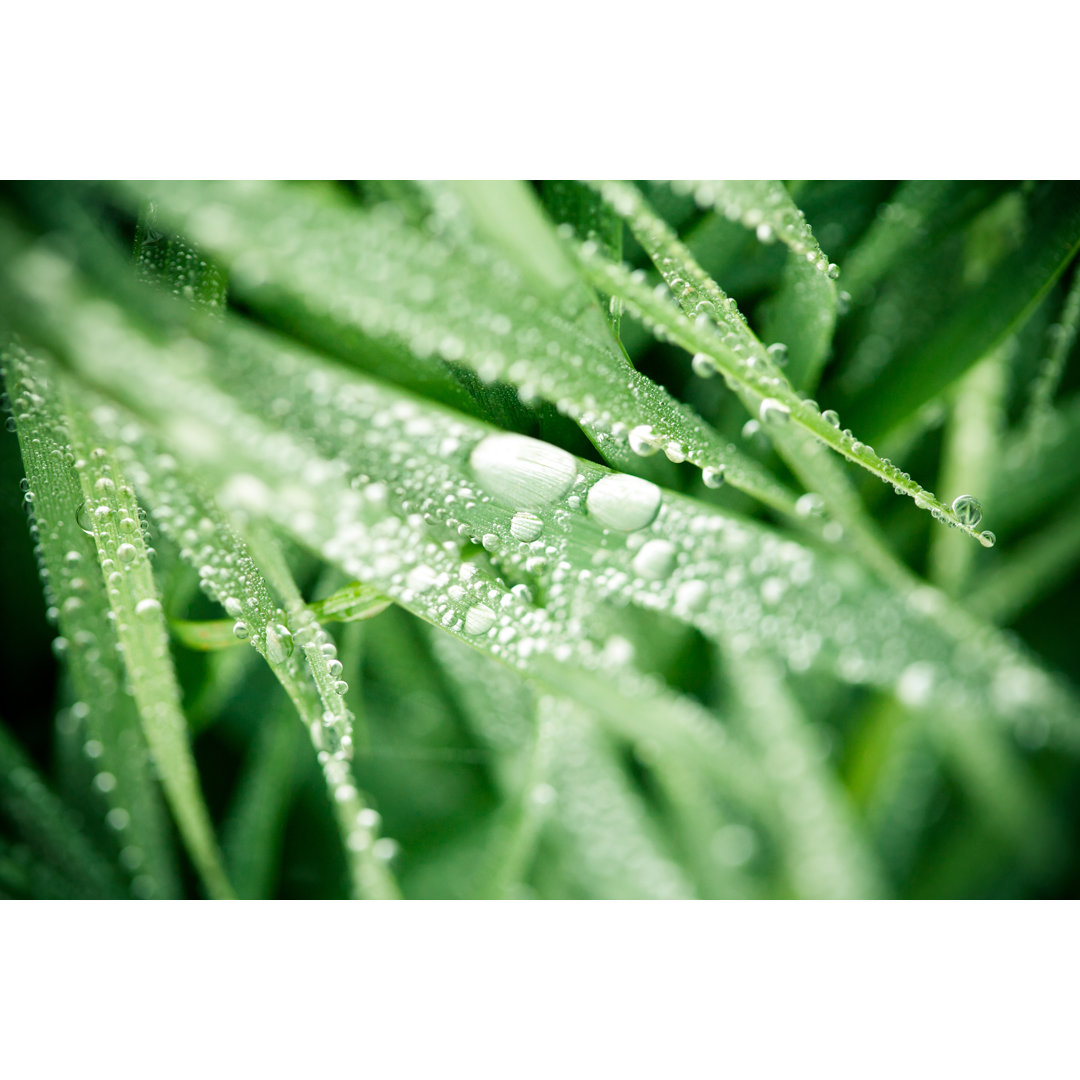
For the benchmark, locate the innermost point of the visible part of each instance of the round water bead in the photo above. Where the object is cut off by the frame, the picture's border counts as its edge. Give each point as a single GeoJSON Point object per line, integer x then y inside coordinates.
{"type": "Point", "coordinates": [526, 526]}
{"type": "Point", "coordinates": [968, 510]}
{"type": "Point", "coordinates": [655, 560]}
{"type": "Point", "coordinates": [479, 620]}
{"type": "Point", "coordinates": [643, 440]}
{"type": "Point", "coordinates": [772, 411]}
{"type": "Point", "coordinates": [623, 502]}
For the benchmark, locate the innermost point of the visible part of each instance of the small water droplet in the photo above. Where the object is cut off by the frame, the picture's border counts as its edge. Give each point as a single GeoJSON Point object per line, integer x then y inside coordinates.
{"type": "Point", "coordinates": [479, 619]}
{"type": "Point", "coordinates": [831, 417]}
{"type": "Point", "coordinates": [778, 353]}
{"type": "Point", "coordinates": [773, 412]}
{"type": "Point", "coordinates": [987, 538]}
{"type": "Point", "coordinates": [147, 606]}
{"type": "Point", "coordinates": [126, 552]}
{"type": "Point", "coordinates": [702, 365]}
{"type": "Point", "coordinates": [240, 630]}
{"type": "Point", "coordinates": [279, 644]}
{"type": "Point", "coordinates": [643, 440]}
{"type": "Point", "coordinates": [713, 475]}
{"type": "Point", "coordinates": [655, 560]}
{"type": "Point", "coordinates": [526, 526]}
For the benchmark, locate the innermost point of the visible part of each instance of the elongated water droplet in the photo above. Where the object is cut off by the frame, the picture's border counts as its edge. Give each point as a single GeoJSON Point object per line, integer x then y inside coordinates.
{"type": "Point", "coordinates": [522, 471]}
{"type": "Point", "coordinates": [279, 643]}
{"type": "Point", "coordinates": [623, 502]}
{"type": "Point", "coordinates": [147, 606]}
{"type": "Point", "coordinates": [968, 510]}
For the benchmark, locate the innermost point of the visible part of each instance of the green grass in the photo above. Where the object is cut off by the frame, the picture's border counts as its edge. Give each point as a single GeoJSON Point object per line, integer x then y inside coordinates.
{"type": "Point", "coordinates": [495, 540]}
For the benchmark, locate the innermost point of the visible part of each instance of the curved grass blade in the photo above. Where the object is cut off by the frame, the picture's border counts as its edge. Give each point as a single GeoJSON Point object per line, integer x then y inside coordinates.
{"type": "Point", "coordinates": [368, 276]}
{"type": "Point", "coordinates": [103, 711]}
{"type": "Point", "coordinates": [140, 629]}
{"type": "Point", "coordinates": [711, 325]}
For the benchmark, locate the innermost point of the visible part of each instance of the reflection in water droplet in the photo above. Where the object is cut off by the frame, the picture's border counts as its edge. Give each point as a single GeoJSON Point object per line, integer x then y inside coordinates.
{"type": "Point", "coordinates": [968, 510]}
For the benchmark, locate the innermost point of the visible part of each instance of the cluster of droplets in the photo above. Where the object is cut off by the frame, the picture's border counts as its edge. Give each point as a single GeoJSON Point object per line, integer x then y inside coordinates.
{"type": "Point", "coordinates": [764, 207]}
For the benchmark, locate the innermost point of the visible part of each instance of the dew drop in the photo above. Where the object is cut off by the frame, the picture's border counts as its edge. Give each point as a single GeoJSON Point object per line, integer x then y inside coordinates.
{"type": "Point", "coordinates": [526, 526]}
{"type": "Point", "coordinates": [643, 440]}
{"type": "Point", "coordinates": [623, 502]}
{"type": "Point", "coordinates": [655, 560]}
{"type": "Point", "coordinates": [240, 630]}
{"type": "Point", "coordinates": [279, 644]}
{"type": "Point", "coordinates": [522, 471]}
{"type": "Point", "coordinates": [987, 538]}
{"type": "Point", "coordinates": [831, 417]}
{"type": "Point", "coordinates": [713, 476]}
{"type": "Point", "coordinates": [702, 365]}
{"type": "Point", "coordinates": [126, 552]}
{"type": "Point", "coordinates": [479, 620]}
{"type": "Point", "coordinates": [778, 353]}
{"type": "Point", "coordinates": [147, 606]}
{"type": "Point", "coordinates": [691, 595]}
{"type": "Point", "coordinates": [968, 510]}
{"type": "Point", "coordinates": [773, 412]}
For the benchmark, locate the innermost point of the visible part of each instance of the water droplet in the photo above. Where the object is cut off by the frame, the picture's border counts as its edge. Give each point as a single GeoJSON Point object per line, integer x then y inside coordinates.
{"type": "Point", "coordinates": [691, 595]}
{"type": "Point", "coordinates": [522, 471]}
{"type": "Point", "coordinates": [240, 630]}
{"type": "Point", "coordinates": [643, 440]}
{"type": "Point", "coordinates": [987, 538]}
{"type": "Point", "coordinates": [479, 620]}
{"type": "Point", "coordinates": [526, 526]}
{"type": "Point", "coordinates": [623, 502]}
{"type": "Point", "coordinates": [713, 475]}
{"type": "Point", "coordinates": [82, 519]}
{"type": "Point", "coordinates": [778, 353]}
{"type": "Point", "coordinates": [674, 451]}
{"type": "Point", "coordinates": [702, 365]}
{"type": "Point", "coordinates": [833, 271]}
{"type": "Point", "coordinates": [831, 417]}
{"type": "Point", "coordinates": [147, 606]}
{"type": "Point", "coordinates": [104, 781]}
{"type": "Point", "coordinates": [279, 644]}
{"type": "Point", "coordinates": [233, 607]}
{"type": "Point", "coordinates": [126, 552]}
{"type": "Point", "coordinates": [810, 503]}
{"type": "Point", "coordinates": [117, 818]}
{"type": "Point", "coordinates": [772, 411]}
{"type": "Point", "coordinates": [655, 560]}
{"type": "Point", "coordinates": [341, 687]}
{"type": "Point", "coordinates": [968, 510]}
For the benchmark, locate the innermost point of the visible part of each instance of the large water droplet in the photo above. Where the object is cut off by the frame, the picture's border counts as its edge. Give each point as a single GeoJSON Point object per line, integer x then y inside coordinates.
{"type": "Point", "coordinates": [522, 471]}
{"type": "Point", "coordinates": [623, 502]}
{"type": "Point", "coordinates": [968, 510]}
